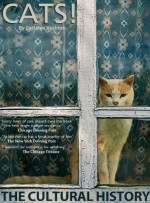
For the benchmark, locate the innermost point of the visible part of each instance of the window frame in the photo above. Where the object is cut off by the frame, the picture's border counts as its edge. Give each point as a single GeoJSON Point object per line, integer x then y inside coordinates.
{"type": "Point", "coordinates": [86, 101]}
{"type": "Point", "coordinates": [87, 109]}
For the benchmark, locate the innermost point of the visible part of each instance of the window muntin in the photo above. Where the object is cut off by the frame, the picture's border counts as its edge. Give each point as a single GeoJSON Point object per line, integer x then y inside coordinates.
{"type": "Point", "coordinates": [38, 62]}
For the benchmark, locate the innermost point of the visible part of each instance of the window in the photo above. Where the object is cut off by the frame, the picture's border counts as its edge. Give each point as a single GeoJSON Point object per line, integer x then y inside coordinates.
{"type": "Point", "coordinates": [84, 106]}
{"type": "Point", "coordinates": [38, 90]}
{"type": "Point", "coordinates": [122, 50]}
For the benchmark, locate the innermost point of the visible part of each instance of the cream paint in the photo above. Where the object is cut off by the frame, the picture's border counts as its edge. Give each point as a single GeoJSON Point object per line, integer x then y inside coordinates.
{"type": "Point", "coordinates": [32, 15]}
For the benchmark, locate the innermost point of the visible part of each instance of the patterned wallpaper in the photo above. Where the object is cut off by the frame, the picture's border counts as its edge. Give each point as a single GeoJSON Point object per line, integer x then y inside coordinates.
{"type": "Point", "coordinates": [135, 160]}
{"type": "Point", "coordinates": [38, 67]}
{"type": "Point", "coordinates": [123, 33]}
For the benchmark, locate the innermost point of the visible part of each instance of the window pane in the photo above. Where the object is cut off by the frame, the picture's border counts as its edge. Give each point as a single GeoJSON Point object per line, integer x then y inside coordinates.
{"type": "Point", "coordinates": [123, 44]}
{"type": "Point", "coordinates": [38, 61]}
{"type": "Point", "coordinates": [38, 147]}
{"type": "Point", "coordinates": [133, 156]}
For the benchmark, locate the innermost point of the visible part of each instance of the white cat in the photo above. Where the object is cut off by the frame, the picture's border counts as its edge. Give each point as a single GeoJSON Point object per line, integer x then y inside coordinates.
{"type": "Point", "coordinates": [113, 133]}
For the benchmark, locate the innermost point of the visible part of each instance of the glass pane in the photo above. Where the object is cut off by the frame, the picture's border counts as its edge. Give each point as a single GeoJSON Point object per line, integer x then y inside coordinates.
{"type": "Point", "coordinates": [38, 148]}
{"type": "Point", "coordinates": [38, 61]}
{"type": "Point", "coordinates": [123, 157]}
{"type": "Point", "coordinates": [123, 44]}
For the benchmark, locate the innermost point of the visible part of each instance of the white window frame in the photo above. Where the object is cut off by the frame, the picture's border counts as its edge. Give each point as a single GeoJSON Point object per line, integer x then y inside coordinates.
{"type": "Point", "coordinates": [87, 101]}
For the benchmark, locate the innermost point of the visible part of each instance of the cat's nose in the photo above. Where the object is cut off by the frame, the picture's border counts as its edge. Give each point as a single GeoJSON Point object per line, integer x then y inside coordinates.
{"type": "Point", "coordinates": [116, 103]}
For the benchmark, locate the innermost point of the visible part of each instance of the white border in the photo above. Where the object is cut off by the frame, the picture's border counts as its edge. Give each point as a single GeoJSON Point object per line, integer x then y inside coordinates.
{"type": "Point", "coordinates": [87, 111]}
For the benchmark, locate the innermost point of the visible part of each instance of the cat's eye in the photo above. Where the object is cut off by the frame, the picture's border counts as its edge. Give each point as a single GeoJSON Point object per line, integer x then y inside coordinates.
{"type": "Point", "coordinates": [108, 95]}
{"type": "Point", "coordinates": [122, 95]}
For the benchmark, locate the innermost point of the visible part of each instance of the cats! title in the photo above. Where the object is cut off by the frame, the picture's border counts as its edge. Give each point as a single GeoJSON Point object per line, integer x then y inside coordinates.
{"type": "Point", "coordinates": [28, 13]}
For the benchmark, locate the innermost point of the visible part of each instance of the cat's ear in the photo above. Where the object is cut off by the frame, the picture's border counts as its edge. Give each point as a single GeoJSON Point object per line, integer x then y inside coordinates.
{"type": "Point", "coordinates": [102, 81]}
{"type": "Point", "coordinates": [129, 80]}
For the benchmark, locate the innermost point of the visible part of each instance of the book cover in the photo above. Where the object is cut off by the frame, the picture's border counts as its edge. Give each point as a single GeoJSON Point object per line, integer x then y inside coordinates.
{"type": "Point", "coordinates": [48, 129]}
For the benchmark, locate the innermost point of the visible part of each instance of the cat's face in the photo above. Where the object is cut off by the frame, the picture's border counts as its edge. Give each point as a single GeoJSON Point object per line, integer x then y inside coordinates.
{"type": "Point", "coordinates": [115, 92]}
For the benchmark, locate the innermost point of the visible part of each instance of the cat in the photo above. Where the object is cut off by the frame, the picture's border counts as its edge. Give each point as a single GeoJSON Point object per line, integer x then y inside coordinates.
{"type": "Point", "coordinates": [112, 134]}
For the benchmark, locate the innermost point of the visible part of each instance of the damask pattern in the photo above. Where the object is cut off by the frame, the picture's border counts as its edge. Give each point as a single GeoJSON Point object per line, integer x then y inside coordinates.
{"type": "Point", "coordinates": [38, 67]}
{"type": "Point", "coordinates": [123, 32]}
